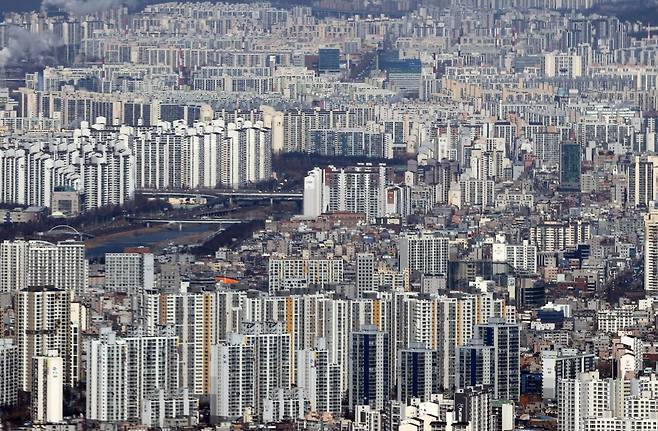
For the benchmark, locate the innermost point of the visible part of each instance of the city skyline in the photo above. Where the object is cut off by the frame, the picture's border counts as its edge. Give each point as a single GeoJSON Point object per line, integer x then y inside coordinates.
{"type": "Point", "coordinates": [382, 215]}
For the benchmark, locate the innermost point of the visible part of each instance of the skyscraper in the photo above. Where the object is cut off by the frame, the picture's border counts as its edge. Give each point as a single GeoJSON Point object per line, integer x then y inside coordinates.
{"type": "Point", "coordinates": [476, 364]}
{"type": "Point", "coordinates": [107, 378]}
{"type": "Point", "coordinates": [417, 373]}
{"type": "Point", "coordinates": [314, 195]}
{"type": "Point", "coordinates": [253, 364]}
{"type": "Point", "coordinates": [369, 368]}
{"type": "Point", "coordinates": [570, 158]}
{"type": "Point", "coordinates": [123, 371]}
{"type": "Point", "coordinates": [643, 180]}
{"type": "Point", "coordinates": [504, 338]}
{"type": "Point", "coordinates": [232, 378]}
{"type": "Point", "coordinates": [320, 379]}
{"type": "Point", "coordinates": [651, 253]}
{"type": "Point", "coordinates": [152, 366]}
{"type": "Point", "coordinates": [42, 325]}
{"type": "Point", "coordinates": [192, 315]}
{"type": "Point", "coordinates": [8, 372]}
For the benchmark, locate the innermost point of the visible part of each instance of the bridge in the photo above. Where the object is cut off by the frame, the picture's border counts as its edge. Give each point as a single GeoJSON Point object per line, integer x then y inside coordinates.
{"type": "Point", "coordinates": [64, 229]}
{"type": "Point", "coordinates": [231, 194]}
{"type": "Point", "coordinates": [220, 221]}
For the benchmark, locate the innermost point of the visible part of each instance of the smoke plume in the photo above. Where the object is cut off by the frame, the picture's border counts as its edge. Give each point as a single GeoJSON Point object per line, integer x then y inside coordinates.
{"type": "Point", "coordinates": [85, 7]}
{"type": "Point", "coordinates": [22, 44]}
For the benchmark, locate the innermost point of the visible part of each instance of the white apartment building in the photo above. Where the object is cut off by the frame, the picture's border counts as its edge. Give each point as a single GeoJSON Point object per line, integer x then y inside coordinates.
{"type": "Point", "coordinates": [563, 64]}
{"type": "Point", "coordinates": [106, 163]}
{"type": "Point", "coordinates": [288, 274]}
{"type": "Point", "coordinates": [476, 193]}
{"type": "Point", "coordinates": [590, 403]}
{"type": "Point", "coordinates": [260, 358]}
{"type": "Point", "coordinates": [285, 404]}
{"type": "Point", "coordinates": [563, 364]}
{"type": "Point", "coordinates": [424, 252]}
{"type": "Point", "coordinates": [320, 379]}
{"type": "Point", "coordinates": [197, 321]}
{"type": "Point", "coordinates": [47, 389]}
{"type": "Point", "coordinates": [551, 235]}
{"type": "Point", "coordinates": [123, 372]}
{"type": "Point", "coordinates": [206, 155]}
{"type": "Point", "coordinates": [616, 319]}
{"type": "Point", "coordinates": [505, 339]}
{"type": "Point", "coordinates": [130, 273]}
{"type": "Point", "coordinates": [359, 189]}
{"type": "Point", "coordinates": [643, 180]}
{"type": "Point", "coordinates": [232, 378]}
{"type": "Point", "coordinates": [39, 263]}
{"type": "Point", "coordinates": [651, 253]}
{"type": "Point", "coordinates": [152, 366]}
{"type": "Point", "coordinates": [26, 175]}
{"type": "Point", "coordinates": [315, 192]}
{"type": "Point", "coordinates": [163, 410]}
{"type": "Point", "coordinates": [522, 257]}
{"type": "Point", "coordinates": [8, 372]}
{"type": "Point", "coordinates": [107, 378]}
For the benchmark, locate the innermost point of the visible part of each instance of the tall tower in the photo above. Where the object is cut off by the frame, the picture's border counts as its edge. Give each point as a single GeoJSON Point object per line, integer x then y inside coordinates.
{"type": "Point", "coordinates": [417, 373]}
{"type": "Point", "coordinates": [365, 273]}
{"type": "Point", "coordinates": [369, 370]}
{"type": "Point", "coordinates": [320, 379]}
{"type": "Point", "coordinates": [42, 325]}
{"type": "Point", "coordinates": [504, 338]}
{"type": "Point", "coordinates": [570, 160]}
{"type": "Point", "coordinates": [107, 378]}
{"type": "Point", "coordinates": [651, 253]}
{"type": "Point", "coordinates": [248, 368]}
{"type": "Point", "coordinates": [642, 180]}
{"type": "Point", "coordinates": [476, 364]}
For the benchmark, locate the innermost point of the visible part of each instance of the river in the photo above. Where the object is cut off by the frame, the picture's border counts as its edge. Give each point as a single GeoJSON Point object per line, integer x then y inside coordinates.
{"type": "Point", "coordinates": [155, 238]}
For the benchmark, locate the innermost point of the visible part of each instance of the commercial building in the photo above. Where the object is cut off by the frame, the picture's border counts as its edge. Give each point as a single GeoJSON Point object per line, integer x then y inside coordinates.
{"type": "Point", "coordinates": [570, 169]}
